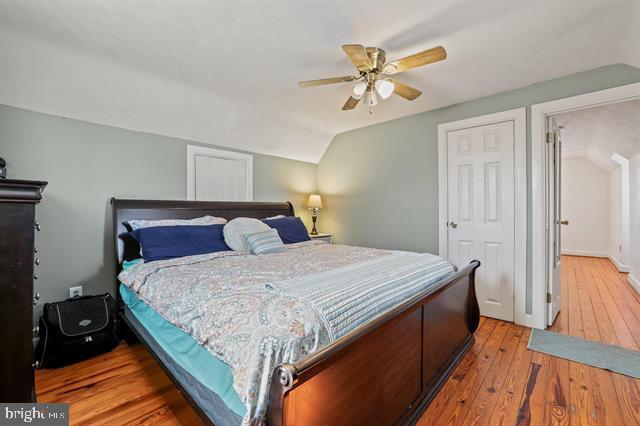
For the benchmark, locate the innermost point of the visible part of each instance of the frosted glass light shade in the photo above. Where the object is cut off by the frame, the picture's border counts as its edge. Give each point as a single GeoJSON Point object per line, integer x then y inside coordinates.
{"type": "Point", "coordinates": [358, 89]}
{"type": "Point", "coordinates": [384, 88]}
{"type": "Point", "coordinates": [314, 202]}
{"type": "Point", "coordinates": [370, 98]}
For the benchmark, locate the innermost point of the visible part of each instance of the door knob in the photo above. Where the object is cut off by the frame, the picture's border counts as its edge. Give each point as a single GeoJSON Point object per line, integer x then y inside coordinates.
{"type": "Point", "coordinates": [453, 224]}
{"type": "Point", "coordinates": [563, 222]}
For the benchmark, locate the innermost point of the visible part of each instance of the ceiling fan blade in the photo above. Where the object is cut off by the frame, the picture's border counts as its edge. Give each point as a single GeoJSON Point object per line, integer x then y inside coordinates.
{"type": "Point", "coordinates": [419, 59]}
{"type": "Point", "coordinates": [358, 55]}
{"type": "Point", "coordinates": [351, 103]}
{"type": "Point", "coordinates": [407, 92]}
{"type": "Point", "coordinates": [322, 81]}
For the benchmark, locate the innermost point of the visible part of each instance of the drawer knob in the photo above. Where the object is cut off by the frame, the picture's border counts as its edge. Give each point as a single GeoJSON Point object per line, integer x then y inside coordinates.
{"type": "Point", "coordinates": [37, 226]}
{"type": "Point", "coordinates": [36, 298]}
{"type": "Point", "coordinates": [37, 261]}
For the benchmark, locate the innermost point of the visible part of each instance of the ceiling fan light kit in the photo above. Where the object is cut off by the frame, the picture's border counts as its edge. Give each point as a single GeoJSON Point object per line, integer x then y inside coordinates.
{"type": "Point", "coordinates": [372, 68]}
{"type": "Point", "coordinates": [358, 89]}
{"type": "Point", "coordinates": [370, 99]}
{"type": "Point", "coordinates": [384, 88]}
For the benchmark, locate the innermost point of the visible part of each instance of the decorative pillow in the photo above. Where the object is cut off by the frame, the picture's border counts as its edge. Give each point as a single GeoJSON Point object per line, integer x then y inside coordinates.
{"type": "Point", "coordinates": [237, 228]}
{"type": "Point", "coordinates": [168, 242]}
{"type": "Point", "coordinates": [204, 220]}
{"type": "Point", "coordinates": [265, 242]}
{"type": "Point", "coordinates": [291, 229]}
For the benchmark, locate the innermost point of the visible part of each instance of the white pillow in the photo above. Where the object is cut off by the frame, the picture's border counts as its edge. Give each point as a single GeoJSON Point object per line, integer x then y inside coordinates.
{"type": "Point", "coordinates": [204, 220]}
{"type": "Point", "coordinates": [235, 230]}
{"type": "Point", "coordinates": [280, 216]}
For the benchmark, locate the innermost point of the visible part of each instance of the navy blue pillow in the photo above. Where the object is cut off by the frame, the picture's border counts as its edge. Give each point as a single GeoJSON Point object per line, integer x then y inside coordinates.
{"type": "Point", "coordinates": [168, 242]}
{"type": "Point", "coordinates": [291, 229]}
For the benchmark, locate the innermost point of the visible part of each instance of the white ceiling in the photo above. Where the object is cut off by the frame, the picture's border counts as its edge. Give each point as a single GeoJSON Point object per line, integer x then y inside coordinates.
{"type": "Point", "coordinates": [599, 132]}
{"type": "Point", "coordinates": [225, 72]}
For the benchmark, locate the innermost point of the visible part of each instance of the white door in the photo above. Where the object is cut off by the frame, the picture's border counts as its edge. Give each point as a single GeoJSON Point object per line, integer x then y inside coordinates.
{"type": "Point", "coordinates": [480, 188]}
{"type": "Point", "coordinates": [220, 179]}
{"type": "Point", "coordinates": [554, 220]}
{"type": "Point", "coordinates": [215, 175]}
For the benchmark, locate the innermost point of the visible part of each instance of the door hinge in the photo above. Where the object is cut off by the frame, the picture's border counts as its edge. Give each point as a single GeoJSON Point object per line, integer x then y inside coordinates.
{"type": "Point", "coordinates": [549, 137]}
{"type": "Point", "coordinates": [548, 297]}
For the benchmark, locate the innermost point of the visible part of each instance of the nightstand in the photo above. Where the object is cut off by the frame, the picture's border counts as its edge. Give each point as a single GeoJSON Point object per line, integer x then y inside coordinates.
{"type": "Point", "coordinates": [322, 237]}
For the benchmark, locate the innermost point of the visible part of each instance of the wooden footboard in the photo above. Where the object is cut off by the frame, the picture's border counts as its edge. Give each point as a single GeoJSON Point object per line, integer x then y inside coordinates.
{"type": "Point", "coordinates": [386, 372]}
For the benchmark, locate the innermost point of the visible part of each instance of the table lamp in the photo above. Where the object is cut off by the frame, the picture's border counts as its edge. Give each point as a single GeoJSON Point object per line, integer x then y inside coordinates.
{"type": "Point", "coordinates": [314, 203]}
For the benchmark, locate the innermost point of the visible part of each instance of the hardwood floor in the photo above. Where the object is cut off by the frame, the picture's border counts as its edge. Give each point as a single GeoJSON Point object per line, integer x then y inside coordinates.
{"type": "Point", "coordinates": [498, 382]}
{"type": "Point", "coordinates": [123, 387]}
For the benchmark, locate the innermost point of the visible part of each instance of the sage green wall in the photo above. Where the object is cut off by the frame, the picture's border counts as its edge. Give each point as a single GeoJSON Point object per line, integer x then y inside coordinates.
{"type": "Point", "coordinates": [87, 164]}
{"type": "Point", "coordinates": [380, 183]}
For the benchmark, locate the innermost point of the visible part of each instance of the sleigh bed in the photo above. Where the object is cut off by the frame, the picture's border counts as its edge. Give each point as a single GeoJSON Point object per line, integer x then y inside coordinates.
{"type": "Point", "coordinates": [385, 371]}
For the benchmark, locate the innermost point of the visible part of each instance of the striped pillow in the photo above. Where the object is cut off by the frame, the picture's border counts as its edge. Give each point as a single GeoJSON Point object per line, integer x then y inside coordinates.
{"type": "Point", "coordinates": [265, 242]}
{"type": "Point", "coordinates": [235, 230]}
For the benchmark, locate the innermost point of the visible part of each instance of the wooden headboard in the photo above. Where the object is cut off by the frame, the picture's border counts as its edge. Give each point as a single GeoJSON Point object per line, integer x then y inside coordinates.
{"type": "Point", "coordinates": [124, 210]}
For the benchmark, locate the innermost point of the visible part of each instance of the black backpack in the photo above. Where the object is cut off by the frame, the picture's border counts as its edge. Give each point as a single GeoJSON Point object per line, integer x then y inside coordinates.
{"type": "Point", "coordinates": [76, 329]}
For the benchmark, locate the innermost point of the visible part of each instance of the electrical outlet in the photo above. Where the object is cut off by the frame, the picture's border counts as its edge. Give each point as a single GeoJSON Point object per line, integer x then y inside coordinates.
{"type": "Point", "coordinates": [75, 291]}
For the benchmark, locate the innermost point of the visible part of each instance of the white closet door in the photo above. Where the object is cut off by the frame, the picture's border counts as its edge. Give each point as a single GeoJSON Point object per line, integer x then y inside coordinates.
{"type": "Point", "coordinates": [210, 178]}
{"type": "Point", "coordinates": [236, 180]}
{"type": "Point", "coordinates": [481, 211]}
{"type": "Point", "coordinates": [215, 175]}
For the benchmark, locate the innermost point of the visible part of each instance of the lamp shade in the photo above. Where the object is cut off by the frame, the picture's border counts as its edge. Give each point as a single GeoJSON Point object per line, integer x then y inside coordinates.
{"type": "Point", "coordinates": [384, 88]}
{"type": "Point", "coordinates": [314, 202]}
{"type": "Point", "coordinates": [358, 89]}
{"type": "Point", "coordinates": [370, 98]}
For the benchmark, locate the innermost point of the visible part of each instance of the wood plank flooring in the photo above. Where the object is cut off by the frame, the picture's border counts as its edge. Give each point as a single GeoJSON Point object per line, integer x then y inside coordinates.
{"type": "Point", "coordinates": [498, 382]}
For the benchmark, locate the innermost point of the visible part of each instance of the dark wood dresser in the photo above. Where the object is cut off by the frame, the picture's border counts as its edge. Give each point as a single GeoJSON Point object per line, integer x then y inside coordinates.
{"type": "Point", "coordinates": [18, 199]}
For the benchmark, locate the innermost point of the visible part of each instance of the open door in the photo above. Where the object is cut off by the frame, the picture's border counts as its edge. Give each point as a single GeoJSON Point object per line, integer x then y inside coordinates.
{"type": "Point", "coordinates": [554, 218]}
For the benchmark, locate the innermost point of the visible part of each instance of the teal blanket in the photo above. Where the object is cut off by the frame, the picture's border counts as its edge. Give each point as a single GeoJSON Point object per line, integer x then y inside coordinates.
{"type": "Point", "coordinates": [183, 349]}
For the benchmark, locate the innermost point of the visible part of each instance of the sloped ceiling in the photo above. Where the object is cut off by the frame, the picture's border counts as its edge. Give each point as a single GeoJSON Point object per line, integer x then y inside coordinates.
{"type": "Point", "coordinates": [599, 132]}
{"type": "Point", "coordinates": [225, 72]}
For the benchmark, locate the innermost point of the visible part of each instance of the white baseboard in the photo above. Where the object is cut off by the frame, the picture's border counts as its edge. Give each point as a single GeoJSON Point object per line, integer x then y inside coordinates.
{"type": "Point", "coordinates": [619, 266]}
{"type": "Point", "coordinates": [635, 283]}
{"type": "Point", "coordinates": [584, 253]}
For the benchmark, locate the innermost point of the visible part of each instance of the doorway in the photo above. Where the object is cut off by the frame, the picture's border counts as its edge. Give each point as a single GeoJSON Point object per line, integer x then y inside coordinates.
{"type": "Point", "coordinates": [596, 194]}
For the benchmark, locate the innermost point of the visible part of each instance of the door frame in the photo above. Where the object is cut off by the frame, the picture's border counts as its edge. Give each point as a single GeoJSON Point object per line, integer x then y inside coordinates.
{"type": "Point", "coordinates": [195, 150]}
{"type": "Point", "coordinates": [519, 118]}
{"type": "Point", "coordinates": [539, 166]}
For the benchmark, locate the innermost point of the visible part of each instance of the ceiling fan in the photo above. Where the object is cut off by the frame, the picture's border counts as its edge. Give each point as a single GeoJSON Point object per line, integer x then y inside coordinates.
{"type": "Point", "coordinates": [372, 68]}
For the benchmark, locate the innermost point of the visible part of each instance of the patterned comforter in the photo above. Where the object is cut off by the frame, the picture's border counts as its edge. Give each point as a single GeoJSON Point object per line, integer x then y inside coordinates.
{"type": "Point", "coordinates": [255, 312]}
